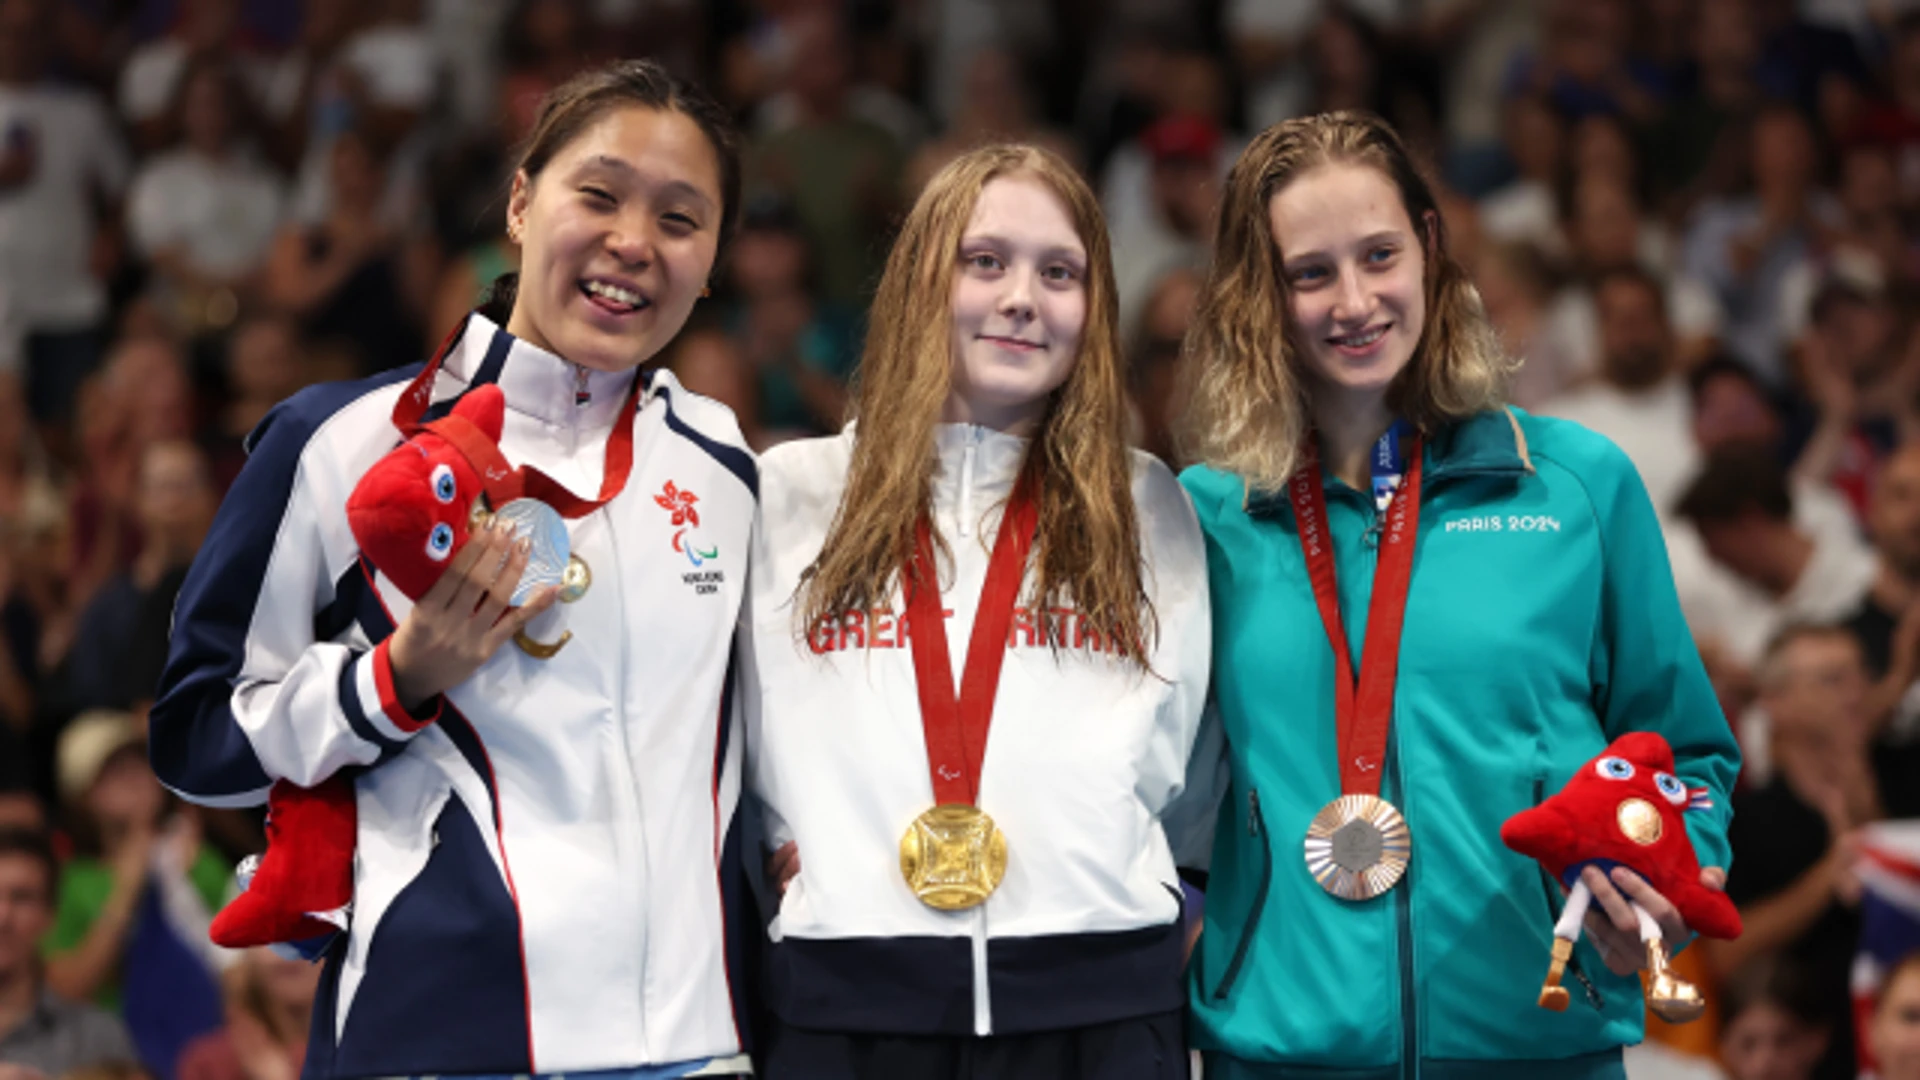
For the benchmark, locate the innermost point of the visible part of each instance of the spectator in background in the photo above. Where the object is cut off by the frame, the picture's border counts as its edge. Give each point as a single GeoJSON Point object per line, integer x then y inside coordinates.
{"type": "Point", "coordinates": [37, 621]}
{"type": "Point", "coordinates": [204, 213]}
{"type": "Point", "coordinates": [141, 397]}
{"type": "Point", "coordinates": [40, 1031]}
{"type": "Point", "coordinates": [1872, 227]}
{"type": "Point", "coordinates": [131, 931]}
{"type": "Point", "coordinates": [1186, 188]}
{"type": "Point", "coordinates": [266, 363]}
{"type": "Point", "coordinates": [1732, 409]}
{"type": "Point", "coordinates": [802, 350]}
{"type": "Point", "coordinates": [1769, 1030]}
{"type": "Point", "coordinates": [1861, 369]}
{"type": "Point", "coordinates": [1698, 147]}
{"type": "Point", "coordinates": [204, 31]}
{"type": "Point", "coordinates": [1154, 367]}
{"type": "Point", "coordinates": [62, 171]}
{"type": "Point", "coordinates": [343, 278]}
{"type": "Point", "coordinates": [1640, 400]}
{"type": "Point", "coordinates": [1515, 283]}
{"type": "Point", "coordinates": [1583, 67]}
{"type": "Point", "coordinates": [1189, 83]}
{"type": "Point", "coordinates": [1894, 1032]}
{"type": "Point", "coordinates": [840, 171]}
{"type": "Point", "coordinates": [121, 643]}
{"type": "Point", "coordinates": [1747, 249]}
{"type": "Point", "coordinates": [1887, 622]}
{"type": "Point", "coordinates": [996, 107]}
{"type": "Point", "coordinates": [1894, 123]}
{"type": "Point", "coordinates": [1526, 210]}
{"type": "Point", "coordinates": [20, 805]}
{"type": "Point", "coordinates": [1741, 506]}
{"type": "Point", "coordinates": [543, 43]}
{"type": "Point", "coordinates": [1794, 839]}
{"type": "Point", "coordinates": [268, 1001]}
{"type": "Point", "coordinates": [708, 361]}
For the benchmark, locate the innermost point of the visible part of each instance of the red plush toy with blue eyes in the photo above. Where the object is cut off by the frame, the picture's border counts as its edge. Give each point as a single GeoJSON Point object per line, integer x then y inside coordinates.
{"type": "Point", "coordinates": [410, 514]}
{"type": "Point", "coordinates": [1625, 808]}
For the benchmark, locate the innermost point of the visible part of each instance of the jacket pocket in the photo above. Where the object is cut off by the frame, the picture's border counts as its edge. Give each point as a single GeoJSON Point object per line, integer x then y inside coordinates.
{"type": "Point", "coordinates": [1555, 902]}
{"type": "Point", "coordinates": [1257, 830]}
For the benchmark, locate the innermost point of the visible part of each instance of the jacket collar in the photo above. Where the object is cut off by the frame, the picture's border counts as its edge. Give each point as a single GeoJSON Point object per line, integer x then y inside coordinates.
{"type": "Point", "coordinates": [536, 383]}
{"type": "Point", "coordinates": [1486, 444]}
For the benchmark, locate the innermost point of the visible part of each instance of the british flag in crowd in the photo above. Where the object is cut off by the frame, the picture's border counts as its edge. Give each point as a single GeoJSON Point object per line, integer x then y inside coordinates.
{"type": "Point", "coordinates": [1889, 870]}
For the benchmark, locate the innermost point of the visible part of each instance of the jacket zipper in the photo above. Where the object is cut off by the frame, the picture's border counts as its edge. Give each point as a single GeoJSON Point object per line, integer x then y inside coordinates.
{"type": "Point", "coordinates": [965, 524]}
{"type": "Point", "coordinates": [1257, 830]}
{"type": "Point", "coordinates": [636, 841]}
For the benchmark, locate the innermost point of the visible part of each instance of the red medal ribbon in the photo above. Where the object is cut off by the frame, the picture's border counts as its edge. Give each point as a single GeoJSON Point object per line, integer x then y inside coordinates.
{"type": "Point", "coordinates": [526, 481]}
{"type": "Point", "coordinates": [1363, 714]}
{"type": "Point", "coordinates": [956, 728]}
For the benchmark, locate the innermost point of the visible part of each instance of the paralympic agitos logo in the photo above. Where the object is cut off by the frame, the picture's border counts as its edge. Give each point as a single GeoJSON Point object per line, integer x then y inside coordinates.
{"type": "Point", "coordinates": [680, 504]}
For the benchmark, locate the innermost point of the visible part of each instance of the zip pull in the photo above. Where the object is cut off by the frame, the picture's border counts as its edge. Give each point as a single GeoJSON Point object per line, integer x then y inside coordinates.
{"type": "Point", "coordinates": [1253, 812]}
{"type": "Point", "coordinates": [966, 483]}
{"type": "Point", "coordinates": [581, 394]}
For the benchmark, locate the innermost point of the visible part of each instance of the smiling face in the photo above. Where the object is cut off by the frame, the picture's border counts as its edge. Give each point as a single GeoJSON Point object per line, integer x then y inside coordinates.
{"type": "Point", "coordinates": [618, 235]}
{"type": "Point", "coordinates": [1019, 305]}
{"type": "Point", "coordinates": [1354, 272]}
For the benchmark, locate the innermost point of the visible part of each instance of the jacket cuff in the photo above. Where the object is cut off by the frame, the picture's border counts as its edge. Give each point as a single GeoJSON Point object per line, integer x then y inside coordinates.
{"type": "Point", "coordinates": [373, 707]}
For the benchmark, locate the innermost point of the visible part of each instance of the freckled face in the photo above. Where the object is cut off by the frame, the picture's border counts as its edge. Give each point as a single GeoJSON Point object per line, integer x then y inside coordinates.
{"type": "Point", "coordinates": [1354, 273]}
{"type": "Point", "coordinates": [618, 235]}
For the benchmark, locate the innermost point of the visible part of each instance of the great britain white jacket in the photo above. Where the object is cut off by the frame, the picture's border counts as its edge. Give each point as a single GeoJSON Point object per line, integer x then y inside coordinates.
{"type": "Point", "coordinates": [544, 868]}
{"type": "Point", "coordinates": [1084, 756]}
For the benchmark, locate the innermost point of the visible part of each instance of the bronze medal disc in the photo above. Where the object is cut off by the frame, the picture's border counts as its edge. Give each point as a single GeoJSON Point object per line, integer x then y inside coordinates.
{"type": "Point", "coordinates": [953, 857]}
{"type": "Point", "coordinates": [1358, 847]}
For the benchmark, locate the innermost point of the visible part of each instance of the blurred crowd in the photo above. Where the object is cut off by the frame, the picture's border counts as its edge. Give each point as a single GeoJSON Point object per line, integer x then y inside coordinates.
{"type": "Point", "coordinates": [1695, 220]}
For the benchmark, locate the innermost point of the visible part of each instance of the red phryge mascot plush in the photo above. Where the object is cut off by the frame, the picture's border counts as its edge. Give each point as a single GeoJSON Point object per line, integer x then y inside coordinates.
{"type": "Point", "coordinates": [1625, 808]}
{"type": "Point", "coordinates": [410, 514]}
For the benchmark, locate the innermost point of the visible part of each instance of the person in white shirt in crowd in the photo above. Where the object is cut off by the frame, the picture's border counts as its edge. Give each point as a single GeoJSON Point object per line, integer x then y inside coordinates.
{"type": "Point", "coordinates": [1525, 208]}
{"type": "Point", "coordinates": [1640, 398]}
{"type": "Point", "coordinates": [1742, 508]}
{"type": "Point", "coordinates": [204, 213]}
{"type": "Point", "coordinates": [990, 420]}
{"type": "Point", "coordinates": [1516, 283]}
{"type": "Point", "coordinates": [62, 172]}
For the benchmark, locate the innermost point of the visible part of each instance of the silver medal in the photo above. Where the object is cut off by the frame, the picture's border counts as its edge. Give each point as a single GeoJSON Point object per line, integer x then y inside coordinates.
{"type": "Point", "coordinates": [551, 550]}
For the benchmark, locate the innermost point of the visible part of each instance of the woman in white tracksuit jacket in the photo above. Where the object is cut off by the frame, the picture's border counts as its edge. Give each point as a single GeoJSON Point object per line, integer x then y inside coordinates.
{"type": "Point", "coordinates": [991, 374]}
{"type": "Point", "coordinates": [540, 880]}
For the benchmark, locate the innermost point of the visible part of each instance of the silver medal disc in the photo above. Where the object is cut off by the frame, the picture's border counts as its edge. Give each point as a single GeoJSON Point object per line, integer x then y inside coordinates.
{"type": "Point", "coordinates": [547, 559]}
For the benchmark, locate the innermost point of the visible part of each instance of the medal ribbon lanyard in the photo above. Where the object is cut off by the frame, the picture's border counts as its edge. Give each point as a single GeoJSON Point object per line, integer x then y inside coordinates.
{"type": "Point", "coordinates": [505, 485]}
{"type": "Point", "coordinates": [1365, 713]}
{"type": "Point", "coordinates": [956, 728]}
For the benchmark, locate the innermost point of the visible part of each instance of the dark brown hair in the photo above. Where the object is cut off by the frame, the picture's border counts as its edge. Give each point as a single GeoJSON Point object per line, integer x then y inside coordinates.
{"type": "Point", "coordinates": [33, 844]}
{"type": "Point", "coordinates": [575, 105]}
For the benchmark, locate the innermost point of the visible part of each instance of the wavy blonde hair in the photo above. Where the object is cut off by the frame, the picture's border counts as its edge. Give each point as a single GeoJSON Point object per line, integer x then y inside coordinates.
{"type": "Point", "coordinates": [1249, 408]}
{"type": "Point", "coordinates": [1087, 547]}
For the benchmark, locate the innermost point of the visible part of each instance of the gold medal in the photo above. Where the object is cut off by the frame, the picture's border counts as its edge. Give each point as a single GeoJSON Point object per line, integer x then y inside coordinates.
{"type": "Point", "coordinates": [953, 857]}
{"type": "Point", "coordinates": [575, 579]}
{"type": "Point", "coordinates": [1358, 847]}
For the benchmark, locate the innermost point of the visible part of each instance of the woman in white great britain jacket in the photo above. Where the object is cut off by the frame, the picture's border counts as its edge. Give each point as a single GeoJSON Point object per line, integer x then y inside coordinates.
{"type": "Point", "coordinates": [964, 748]}
{"type": "Point", "coordinates": [540, 880]}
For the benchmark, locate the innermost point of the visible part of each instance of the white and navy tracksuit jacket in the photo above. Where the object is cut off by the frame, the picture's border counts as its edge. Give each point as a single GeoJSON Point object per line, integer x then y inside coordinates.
{"type": "Point", "coordinates": [543, 873]}
{"type": "Point", "coordinates": [1083, 758]}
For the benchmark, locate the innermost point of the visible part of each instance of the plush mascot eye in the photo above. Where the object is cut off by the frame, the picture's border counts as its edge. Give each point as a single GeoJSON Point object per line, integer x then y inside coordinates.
{"type": "Point", "coordinates": [1613, 768]}
{"type": "Point", "coordinates": [1671, 787]}
{"type": "Point", "coordinates": [443, 483]}
{"type": "Point", "coordinates": [440, 542]}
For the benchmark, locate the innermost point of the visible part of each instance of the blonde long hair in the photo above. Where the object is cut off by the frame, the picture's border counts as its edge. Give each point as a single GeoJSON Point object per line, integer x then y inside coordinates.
{"type": "Point", "coordinates": [1249, 408]}
{"type": "Point", "coordinates": [1087, 547]}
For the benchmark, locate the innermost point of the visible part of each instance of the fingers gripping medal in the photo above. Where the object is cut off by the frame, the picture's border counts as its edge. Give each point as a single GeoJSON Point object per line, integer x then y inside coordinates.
{"type": "Point", "coordinates": [550, 561]}
{"type": "Point", "coordinates": [953, 855]}
{"type": "Point", "coordinates": [1358, 845]}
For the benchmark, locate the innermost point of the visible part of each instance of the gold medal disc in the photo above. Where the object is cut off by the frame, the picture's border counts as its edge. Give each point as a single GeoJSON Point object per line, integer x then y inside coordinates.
{"type": "Point", "coordinates": [1358, 847]}
{"type": "Point", "coordinates": [953, 857]}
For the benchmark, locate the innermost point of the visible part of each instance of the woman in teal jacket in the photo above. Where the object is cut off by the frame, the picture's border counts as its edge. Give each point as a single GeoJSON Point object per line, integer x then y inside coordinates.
{"type": "Point", "coordinates": [1349, 390]}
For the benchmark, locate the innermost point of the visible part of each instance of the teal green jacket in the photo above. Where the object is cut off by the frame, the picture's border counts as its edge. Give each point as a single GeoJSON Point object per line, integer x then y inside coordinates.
{"type": "Point", "coordinates": [1541, 624]}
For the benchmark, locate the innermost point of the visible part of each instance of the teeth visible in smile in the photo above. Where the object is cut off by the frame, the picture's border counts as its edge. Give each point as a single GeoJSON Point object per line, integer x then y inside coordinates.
{"type": "Point", "coordinates": [1360, 341]}
{"type": "Point", "coordinates": [614, 293]}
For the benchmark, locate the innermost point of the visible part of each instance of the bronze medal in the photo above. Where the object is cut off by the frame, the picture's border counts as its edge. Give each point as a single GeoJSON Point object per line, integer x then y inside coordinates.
{"type": "Point", "coordinates": [1358, 847]}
